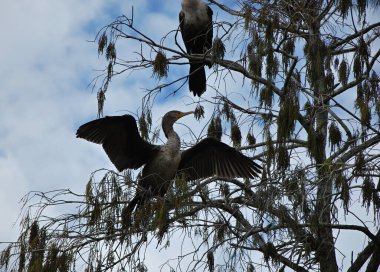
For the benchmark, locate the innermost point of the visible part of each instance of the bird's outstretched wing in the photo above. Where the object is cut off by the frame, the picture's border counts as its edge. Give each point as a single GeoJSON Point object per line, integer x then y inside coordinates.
{"type": "Point", "coordinates": [120, 139]}
{"type": "Point", "coordinates": [210, 157]}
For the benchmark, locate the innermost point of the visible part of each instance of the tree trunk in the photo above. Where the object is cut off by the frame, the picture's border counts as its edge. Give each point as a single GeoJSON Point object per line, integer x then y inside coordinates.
{"type": "Point", "coordinates": [326, 251]}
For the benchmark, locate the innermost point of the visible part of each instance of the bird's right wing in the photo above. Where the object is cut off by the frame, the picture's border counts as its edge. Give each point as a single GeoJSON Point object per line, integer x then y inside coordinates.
{"type": "Point", "coordinates": [210, 157]}
{"type": "Point", "coordinates": [120, 139]}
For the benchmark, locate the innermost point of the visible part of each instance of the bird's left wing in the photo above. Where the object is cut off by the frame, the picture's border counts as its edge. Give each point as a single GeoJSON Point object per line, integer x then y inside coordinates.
{"type": "Point", "coordinates": [210, 157]}
{"type": "Point", "coordinates": [120, 139]}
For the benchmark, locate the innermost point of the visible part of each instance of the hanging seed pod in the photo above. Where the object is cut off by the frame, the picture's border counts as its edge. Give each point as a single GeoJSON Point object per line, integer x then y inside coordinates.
{"type": "Point", "coordinates": [288, 47]}
{"type": "Point", "coordinates": [344, 6]}
{"type": "Point", "coordinates": [110, 70]}
{"type": "Point", "coordinates": [102, 43]}
{"type": "Point", "coordinates": [328, 62]}
{"type": "Point", "coordinates": [359, 164]}
{"type": "Point", "coordinates": [345, 195]}
{"type": "Point", "coordinates": [33, 235]}
{"type": "Point", "coordinates": [261, 47]}
{"type": "Point", "coordinates": [266, 97]}
{"type": "Point", "coordinates": [357, 67]}
{"type": "Point", "coordinates": [215, 128]}
{"type": "Point", "coordinates": [221, 231]}
{"type": "Point", "coordinates": [283, 159]}
{"type": "Point", "coordinates": [218, 50]}
{"type": "Point", "coordinates": [365, 111]}
{"type": "Point", "coordinates": [361, 6]}
{"type": "Point", "coordinates": [360, 92]}
{"type": "Point", "coordinates": [367, 191]}
{"type": "Point", "coordinates": [335, 136]}
{"type": "Point", "coordinates": [160, 65]}
{"type": "Point", "coordinates": [51, 263]}
{"type": "Point", "coordinates": [374, 82]}
{"type": "Point", "coordinates": [227, 111]}
{"type": "Point", "coordinates": [343, 72]}
{"type": "Point", "coordinates": [101, 97]}
{"type": "Point", "coordinates": [111, 52]}
{"type": "Point", "coordinates": [211, 129]}
{"type": "Point", "coordinates": [235, 135]}
{"type": "Point", "coordinates": [269, 28]}
{"type": "Point", "coordinates": [308, 108]}
{"type": "Point", "coordinates": [339, 179]}
{"type": "Point", "coordinates": [199, 112]}
{"type": "Point", "coordinates": [272, 64]}
{"type": "Point", "coordinates": [255, 64]}
{"type": "Point", "coordinates": [329, 81]}
{"type": "Point", "coordinates": [290, 186]}
{"type": "Point", "coordinates": [251, 139]}
{"type": "Point", "coordinates": [218, 128]}
{"type": "Point", "coordinates": [336, 64]}
{"type": "Point", "coordinates": [363, 49]}
{"type": "Point", "coordinates": [247, 11]}
{"type": "Point", "coordinates": [269, 251]}
{"type": "Point", "coordinates": [287, 116]}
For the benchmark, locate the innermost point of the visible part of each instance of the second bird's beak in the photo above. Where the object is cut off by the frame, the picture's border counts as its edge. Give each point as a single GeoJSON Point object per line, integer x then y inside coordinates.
{"type": "Point", "coordinates": [182, 114]}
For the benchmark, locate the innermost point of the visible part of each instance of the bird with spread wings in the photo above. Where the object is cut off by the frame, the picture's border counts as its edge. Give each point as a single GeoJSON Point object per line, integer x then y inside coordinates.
{"type": "Point", "coordinates": [124, 146]}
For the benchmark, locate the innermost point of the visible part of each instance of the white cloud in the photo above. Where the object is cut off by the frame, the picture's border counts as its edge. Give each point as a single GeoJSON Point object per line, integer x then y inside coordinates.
{"type": "Point", "coordinates": [45, 66]}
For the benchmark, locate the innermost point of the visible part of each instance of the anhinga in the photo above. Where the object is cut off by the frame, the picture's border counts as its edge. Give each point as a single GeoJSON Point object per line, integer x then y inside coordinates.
{"type": "Point", "coordinates": [195, 21]}
{"type": "Point", "coordinates": [124, 146]}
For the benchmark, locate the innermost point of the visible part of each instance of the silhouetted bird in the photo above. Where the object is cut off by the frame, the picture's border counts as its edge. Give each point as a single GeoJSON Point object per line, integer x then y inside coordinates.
{"type": "Point", "coordinates": [126, 149]}
{"type": "Point", "coordinates": [196, 27]}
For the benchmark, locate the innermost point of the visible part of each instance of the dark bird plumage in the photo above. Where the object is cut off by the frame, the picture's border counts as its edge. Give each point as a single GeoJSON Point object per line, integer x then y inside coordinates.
{"type": "Point", "coordinates": [195, 21]}
{"type": "Point", "coordinates": [126, 149]}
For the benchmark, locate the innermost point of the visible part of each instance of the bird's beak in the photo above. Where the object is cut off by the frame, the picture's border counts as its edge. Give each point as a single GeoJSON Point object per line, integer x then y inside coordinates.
{"type": "Point", "coordinates": [182, 114]}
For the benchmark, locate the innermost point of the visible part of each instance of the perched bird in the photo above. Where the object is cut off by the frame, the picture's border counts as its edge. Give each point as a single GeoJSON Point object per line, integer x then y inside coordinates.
{"type": "Point", "coordinates": [126, 149]}
{"type": "Point", "coordinates": [195, 21]}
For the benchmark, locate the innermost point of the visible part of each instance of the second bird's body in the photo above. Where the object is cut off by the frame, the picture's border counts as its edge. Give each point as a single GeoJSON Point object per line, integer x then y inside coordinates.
{"type": "Point", "coordinates": [196, 28]}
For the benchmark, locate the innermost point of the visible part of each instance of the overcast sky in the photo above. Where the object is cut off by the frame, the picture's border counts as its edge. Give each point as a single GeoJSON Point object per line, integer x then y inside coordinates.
{"type": "Point", "coordinates": [46, 66]}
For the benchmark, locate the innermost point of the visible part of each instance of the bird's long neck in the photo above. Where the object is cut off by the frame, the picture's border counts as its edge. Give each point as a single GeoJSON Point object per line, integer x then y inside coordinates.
{"type": "Point", "coordinates": [169, 131]}
{"type": "Point", "coordinates": [173, 139]}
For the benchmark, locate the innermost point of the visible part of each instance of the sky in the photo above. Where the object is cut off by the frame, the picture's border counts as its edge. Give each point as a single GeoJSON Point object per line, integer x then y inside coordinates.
{"type": "Point", "coordinates": [47, 64]}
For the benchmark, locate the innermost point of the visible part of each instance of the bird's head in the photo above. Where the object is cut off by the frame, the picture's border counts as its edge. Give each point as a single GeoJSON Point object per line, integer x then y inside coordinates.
{"type": "Point", "coordinates": [174, 115]}
{"type": "Point", "coordinates": [170, 118]}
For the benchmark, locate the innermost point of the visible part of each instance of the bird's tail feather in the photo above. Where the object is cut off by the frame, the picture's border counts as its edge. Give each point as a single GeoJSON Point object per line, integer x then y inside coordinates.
{"type": "Point", "coordinates": [197, 79]}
